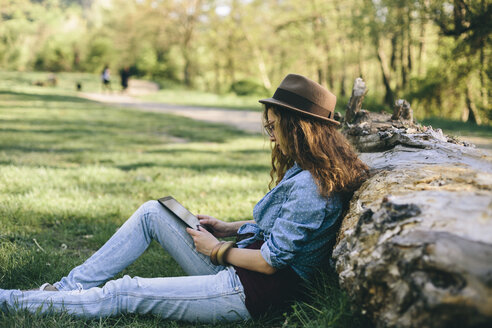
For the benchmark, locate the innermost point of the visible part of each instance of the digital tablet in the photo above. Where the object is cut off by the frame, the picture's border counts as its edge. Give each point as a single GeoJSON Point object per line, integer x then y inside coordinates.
{"type": "Point", "coordinates": [181, 212]}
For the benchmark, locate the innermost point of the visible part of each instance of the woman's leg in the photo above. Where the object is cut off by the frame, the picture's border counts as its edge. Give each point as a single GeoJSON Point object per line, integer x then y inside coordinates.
{"type": "Point", "coordinates": [150, 221]}
{"type": "Point", "coordinates": [210, 298]}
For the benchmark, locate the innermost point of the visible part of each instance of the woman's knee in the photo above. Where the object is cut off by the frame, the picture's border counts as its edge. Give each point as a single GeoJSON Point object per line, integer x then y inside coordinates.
{"type": "Point", "coordinates": [151, 206]}
{"type": "Point", "coordinates": [153, 212]}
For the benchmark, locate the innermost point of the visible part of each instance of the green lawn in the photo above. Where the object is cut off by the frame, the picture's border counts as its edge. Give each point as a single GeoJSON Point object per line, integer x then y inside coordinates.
{"type": "Point", "coordinates": [72, 171]}
{"type": "Point", "coordinates": [458, 128]}
{"type": "Point", "coordinates": [23, 82]}
{"type": "Point", "coordinates": [66, 85]}
{"type": "Point", "coordinates": [182, 96]}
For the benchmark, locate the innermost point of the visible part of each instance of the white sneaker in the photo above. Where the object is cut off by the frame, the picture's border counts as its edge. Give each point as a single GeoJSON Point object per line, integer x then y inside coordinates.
{"type": "Point", "coordinates": [46, 287]}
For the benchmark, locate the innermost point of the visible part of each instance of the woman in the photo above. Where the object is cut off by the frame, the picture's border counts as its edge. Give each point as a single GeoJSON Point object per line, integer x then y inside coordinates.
{"type": "Point", "coordinates": [314, 170]}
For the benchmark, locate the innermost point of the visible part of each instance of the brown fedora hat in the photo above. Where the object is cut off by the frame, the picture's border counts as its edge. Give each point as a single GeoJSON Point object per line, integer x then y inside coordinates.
{"type": "Point", "coordinates": [304, 96]}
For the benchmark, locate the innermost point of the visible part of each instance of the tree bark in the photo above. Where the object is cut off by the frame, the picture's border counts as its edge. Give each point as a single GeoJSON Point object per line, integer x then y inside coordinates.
{"type": "Point", "coordinates": [415, 247]}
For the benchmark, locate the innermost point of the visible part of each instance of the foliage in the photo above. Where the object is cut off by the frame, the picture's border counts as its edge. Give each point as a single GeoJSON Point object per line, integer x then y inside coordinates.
{"type": "Point", "coordinates": [401, 48]}
{"type": "Point", "coordinates": [248, 88]}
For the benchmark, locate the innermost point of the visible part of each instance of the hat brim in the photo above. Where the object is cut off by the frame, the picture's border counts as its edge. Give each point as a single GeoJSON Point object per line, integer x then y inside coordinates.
{"type": "Point", "coordinates": [276, 102]}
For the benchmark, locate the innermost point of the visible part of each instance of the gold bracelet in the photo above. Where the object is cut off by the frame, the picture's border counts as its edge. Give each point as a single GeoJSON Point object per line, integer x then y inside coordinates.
{"type": "Point", "coordinates": [213, 254]}
{"type": "Point", "coordinates": [223, 250]}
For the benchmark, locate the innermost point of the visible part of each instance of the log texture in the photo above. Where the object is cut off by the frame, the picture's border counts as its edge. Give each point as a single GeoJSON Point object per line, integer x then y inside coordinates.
{"type": "Point", "coordinates": [415, 248]}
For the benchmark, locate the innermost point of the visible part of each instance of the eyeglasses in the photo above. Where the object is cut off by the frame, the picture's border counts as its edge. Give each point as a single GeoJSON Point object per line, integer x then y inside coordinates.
{"type": "Point", "coordinates": [270, 129]}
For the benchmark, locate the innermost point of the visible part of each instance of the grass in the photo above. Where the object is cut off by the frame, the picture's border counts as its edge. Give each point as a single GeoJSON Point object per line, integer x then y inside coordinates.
{"type": "Point", "coordinates": [204, 99]}
{"type": "Point", "coordinates": [12, 81]}
{"type": "Point", "coordinates": [66, 83]}
{"type": "Point", "coordinates": [458, 128]}
{"type": "Point", "coordinates": [72, 171]}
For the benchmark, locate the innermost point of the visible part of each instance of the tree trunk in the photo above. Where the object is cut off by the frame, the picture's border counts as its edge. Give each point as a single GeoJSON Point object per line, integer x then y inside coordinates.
{"type": "Point", "coordinates": [403, 67]}
{"type": "Point", "coordinates": [189, 28]}
{"type": "Point", "coordinates": [187, 70]}
{"type": "Point", "coordinates": [409, 42]}
{"type": "Point", "coordinates": [389, 97]}
{"type": "Point", "coordinates": [343, 92]}
{"type": "Point", "coordinates": [483, 77]}
{"type": "Point", "coordinates": [394, 41]}
{"type": "Point", "coordinates": [421, 48]}
{"type": "Point", "coordinates": [321, 78]}
{"type": "Point", "coordinates": [216, 76]}
{"type": "Point", "coordinates": [330, 80]}
{"type": "Point", "coordinates": [473, 116]}
{"type": "Point", "coordinates": [259, 59]}
{"type": "Point", "coordinates": [415, 247]}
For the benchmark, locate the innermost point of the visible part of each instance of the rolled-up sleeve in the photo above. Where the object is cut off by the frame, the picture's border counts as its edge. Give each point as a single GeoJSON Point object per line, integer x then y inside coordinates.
{"type": "Point", "coordinates": [301, 215]}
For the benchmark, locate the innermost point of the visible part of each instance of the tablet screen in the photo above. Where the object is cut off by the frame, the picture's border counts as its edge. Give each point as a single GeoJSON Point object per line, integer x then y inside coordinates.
{"type": "Point", "coordinates": [180, 211]}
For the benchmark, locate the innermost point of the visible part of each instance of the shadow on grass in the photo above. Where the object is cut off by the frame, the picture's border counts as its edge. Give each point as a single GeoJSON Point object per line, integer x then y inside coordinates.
{"type": "Point", "coordinates": [44, 97]}
{"type": "Point", "coordinates": [30, 149]}
{"type": "Point", "coordinates": [233, 168]}
{"type": "Point", "coordinates": [208, 152]}
{"type": "Point", "coordinates": [95, 127]}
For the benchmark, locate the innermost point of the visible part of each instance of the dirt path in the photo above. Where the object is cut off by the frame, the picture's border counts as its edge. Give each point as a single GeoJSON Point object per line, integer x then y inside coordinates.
{"type": "Point", "coordinates": [249, 121]}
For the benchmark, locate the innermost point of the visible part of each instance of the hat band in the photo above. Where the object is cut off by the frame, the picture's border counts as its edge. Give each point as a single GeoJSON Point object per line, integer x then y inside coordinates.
{"type": "Point", "coordinates": [300, 103]}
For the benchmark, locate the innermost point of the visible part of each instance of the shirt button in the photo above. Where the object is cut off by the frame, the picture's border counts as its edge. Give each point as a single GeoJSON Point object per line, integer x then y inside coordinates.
{"type": "Point", "coordinates": [236, 288]}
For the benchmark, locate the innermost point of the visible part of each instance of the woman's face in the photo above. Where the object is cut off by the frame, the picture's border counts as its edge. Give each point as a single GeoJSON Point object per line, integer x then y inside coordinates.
{"type": "Point", "coordinates": [276, 134]}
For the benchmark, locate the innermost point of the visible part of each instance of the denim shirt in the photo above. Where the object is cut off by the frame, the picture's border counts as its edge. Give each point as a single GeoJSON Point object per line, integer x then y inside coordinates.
{"type": "Point", "coordinates": [296, 223]}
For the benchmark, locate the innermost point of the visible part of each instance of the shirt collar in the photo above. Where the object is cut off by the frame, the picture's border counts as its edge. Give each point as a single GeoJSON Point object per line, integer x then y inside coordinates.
{"type": "Point", "coordinates": [292, 171]}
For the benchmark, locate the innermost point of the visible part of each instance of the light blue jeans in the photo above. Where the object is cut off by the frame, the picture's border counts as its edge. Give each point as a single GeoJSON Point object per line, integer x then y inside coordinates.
{"type": "Point", "coordinates": [209, 294]}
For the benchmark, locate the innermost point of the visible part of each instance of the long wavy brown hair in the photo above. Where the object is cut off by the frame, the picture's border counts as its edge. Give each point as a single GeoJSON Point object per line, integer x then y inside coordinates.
{"type": "Point", "coordinates": [318, 147]}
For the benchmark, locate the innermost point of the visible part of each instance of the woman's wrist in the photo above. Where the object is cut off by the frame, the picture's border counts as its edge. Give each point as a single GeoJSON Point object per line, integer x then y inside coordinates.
{"type": "Point", "coordinates": [234, 227]}
{"type": "Point", "coordinates": [213, 253]}
{"type": "Point", "coordinates": [219, 252]}
{"type": "Point", "coordinates": [232, 231]}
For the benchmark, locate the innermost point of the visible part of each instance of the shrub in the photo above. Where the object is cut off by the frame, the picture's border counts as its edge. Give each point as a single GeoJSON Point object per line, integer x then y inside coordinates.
{"type": "Point", "coordinates": [247, 88]}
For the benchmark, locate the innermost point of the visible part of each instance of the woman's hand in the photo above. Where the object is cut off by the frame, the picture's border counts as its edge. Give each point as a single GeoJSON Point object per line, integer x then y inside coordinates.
{"type": "Point", "coordinates": [220, 228]}
{"type": "Point", "coordinates": [204, 240]}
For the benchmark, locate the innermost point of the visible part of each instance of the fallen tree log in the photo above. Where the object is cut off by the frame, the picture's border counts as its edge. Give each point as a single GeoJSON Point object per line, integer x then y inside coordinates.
{"type": "Point", "coordinates": [415, 248]}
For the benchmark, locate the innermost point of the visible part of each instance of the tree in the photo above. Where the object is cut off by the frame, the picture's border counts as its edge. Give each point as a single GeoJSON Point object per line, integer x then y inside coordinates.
{"type": "Point", "coordinates": [468, 23]}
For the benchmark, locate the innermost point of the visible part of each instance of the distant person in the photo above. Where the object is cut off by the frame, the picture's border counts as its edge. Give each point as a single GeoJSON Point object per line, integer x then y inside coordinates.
{"type": "Point", "coordinates": [314, 170]}
{"type": "Point", "coordinates": [52, 80]}
{"type": "Point", "coordinates": [106, 79]}
{"type": "Point", "coordinates": [78, 86]}
{"type": "Point", "coordinates": [124, 75]}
